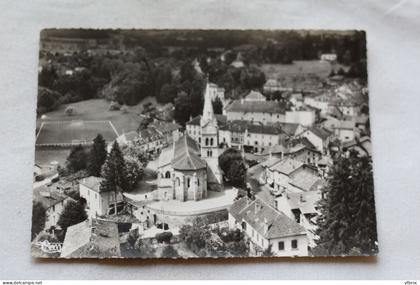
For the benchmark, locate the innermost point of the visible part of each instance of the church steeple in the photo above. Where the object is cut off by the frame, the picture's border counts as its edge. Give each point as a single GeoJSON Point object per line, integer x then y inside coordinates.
{"type": "Point", "coordinates": [208, 113]}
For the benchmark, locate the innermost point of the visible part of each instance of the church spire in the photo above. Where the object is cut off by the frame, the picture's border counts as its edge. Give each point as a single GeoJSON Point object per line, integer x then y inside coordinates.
{"type": "Point", "coordinates": [208, 113]}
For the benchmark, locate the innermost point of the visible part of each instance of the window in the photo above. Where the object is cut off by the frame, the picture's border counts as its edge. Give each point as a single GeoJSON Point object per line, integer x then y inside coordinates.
{"type": "Point", "coordinates": [167, 174]}
{"type": "Point", "coordinates": [188, 182]}
{"type": "Point", "coordinates": [294, 244]}
{"type": "Point", "coordinates": [207, 141]}
{"type": "Point", "coordinates": [211, 141]}
{"type": "Point", "coordinates": [198, 181]}
{"type": "Point", "coordinates": [281, 245]}
{"type": "Point", "coordinates": [178, 182]}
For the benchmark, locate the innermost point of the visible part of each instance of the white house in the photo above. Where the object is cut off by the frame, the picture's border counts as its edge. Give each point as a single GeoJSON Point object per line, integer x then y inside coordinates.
{"type": "Point", "coordinates": [345, 131]}
{"type": "Point", "coordinates": [318, 137]}
{"type": "Point", "coordinates": [301, 116]}
{"type": "Point", "coordinates": [255, 108]}
{"type": "Point", "coordinates": [99, 202]}
{"type": "Point", "coordinates": [302, 208]}
{"type": "Point", "coordinates": [53, 203]}
{"type": "Point", "coordinates": [329, 56]}
{"type": "Point", "coordinates": [263, 225]}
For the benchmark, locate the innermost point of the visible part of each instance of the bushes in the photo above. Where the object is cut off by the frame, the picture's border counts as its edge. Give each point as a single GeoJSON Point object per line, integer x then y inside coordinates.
{"type": "Point", "coordinates": [69, 111]}
{"type": "Point", "coordinates": [114, 106]}
{"type": "Point", "coordinates": [163, 237]}
{"type": "Point", "coordinates": [170, 252]}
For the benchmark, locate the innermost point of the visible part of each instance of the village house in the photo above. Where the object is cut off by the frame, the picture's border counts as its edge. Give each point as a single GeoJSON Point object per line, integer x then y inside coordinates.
{"type": "Point", "coordinates": [91, 238]}
{"type": "Point", "coordinates": [302, 208]}
{"type": "Point", "coordinates": [98, 201]}
{"type": "Point", "coordinates": [264, 226]}
{"type": "Point", "coordinates": [281, 174]}
{"type": "Point", "coordinates": [274, 85]}
{"type": "Point", "coordinates": [318, 137]}
{"type": "Point", "coordinates": [53, 203]}
{"type": "Point", "coordinates": [345, 131]}
{"type": "Point", "coordinates": [169, 131]}
{"type": "Point", "coordinates": [362, 146]}
{"type": "Point", "coordinates": [304, 151]}
{"type": "Point", "coordinates": [255, 108]}
{"type": "Point", "coordinates": [328, 56]}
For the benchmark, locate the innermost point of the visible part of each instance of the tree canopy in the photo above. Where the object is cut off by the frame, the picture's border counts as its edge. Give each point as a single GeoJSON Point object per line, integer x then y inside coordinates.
{"type": "Point", "coordinates": [347, 224]}
{"type": "Point", "coordinates": [114, 171]}
{"type": "Point", "coordinates": [73, 213]}
{"type": "Point", "coordinates": [233, 166]}
{"type": "Point", "coordinates": [97, 156]}
{"type": "Point", "coordinates": [38, 219]}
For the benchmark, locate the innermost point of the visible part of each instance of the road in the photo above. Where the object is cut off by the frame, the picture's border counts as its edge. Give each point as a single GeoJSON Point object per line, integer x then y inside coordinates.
{"type": "Point", "coordinates": [44, 182]}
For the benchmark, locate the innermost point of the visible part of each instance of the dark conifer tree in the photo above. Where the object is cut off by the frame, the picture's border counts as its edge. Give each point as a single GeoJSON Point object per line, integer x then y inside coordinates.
{"type": "Point", "coordinates": [97, 156]}
{"type": "Point", "coordinates": [347, 224]}
{"type": "Point", "coordinates": [114, 172]}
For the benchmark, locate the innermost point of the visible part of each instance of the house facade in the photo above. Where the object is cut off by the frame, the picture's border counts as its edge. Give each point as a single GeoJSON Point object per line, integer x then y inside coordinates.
{"type": "Point", "coordinates": [99, 202]}
{"type": "Point", "coordinates": [265, 226]}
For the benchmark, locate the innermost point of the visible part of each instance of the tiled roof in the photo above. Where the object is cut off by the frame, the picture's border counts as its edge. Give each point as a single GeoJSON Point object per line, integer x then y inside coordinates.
{"type": "Point", "coordinates": [47, 197]}
{"type": "Point", "coordinates": [287, 166]}
{"type": "Point", "coordinates": [164, 127]}
{"type": "Point", "coordinates": [306, 181]}
{"type": "Point", "coordinates": [320, 132]}
{"type": "Point", "coordinates": [305, 201]}
{"type": "Point", "coordinates": [264, 219]}
{"type": "Point", "coordinates": [185, 155]}
{"type": "Point", "coordinates": [346, 125]}
{"type": "Point", "coordinates": [93, 183]}
{"type": "Point", "coordinates": [99, 239]}
{"type": "Point", "coordinates": [254, 96]}
{"type": "Point", "coordinates": [221, 120]}
{"type": "Point", "coordinates": [270, 161]}
{"type": "Point", "coordinates": [256, 107]}
{"type": "Point", "coordinates": [149, 135]}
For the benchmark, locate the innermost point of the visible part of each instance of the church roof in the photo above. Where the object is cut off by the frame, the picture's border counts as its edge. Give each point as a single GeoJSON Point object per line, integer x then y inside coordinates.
{"type": "Point", "coordinates": [185, 155]}
{"type": "Point", "coordinates": [221, 120]}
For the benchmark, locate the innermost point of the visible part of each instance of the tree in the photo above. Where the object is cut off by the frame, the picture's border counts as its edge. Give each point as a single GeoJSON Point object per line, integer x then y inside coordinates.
{"type": "Point", "coordinates": [233, 167]}
{"type": "Point", "coordinates": [170, 252]}
{"type": "Point", "coordinates": [167, 93]}
{"type": "Point", "coordinates": [182, 108]}
{"type": "Point", "coordinates": [268, 251]}
{"type": "Point", "coordinates": [134, 170]}
{"type": "Point", "coordinates": [73, 213]}
{"type": "Point", "coordinates": [77, 159]}
{"type": "Point", "coordinates": [114, 173]}
{"type": "Point", "coordinates": [97, 156]}
{"type": "Point", "coordinates": [217, 106]}
{"type": "Point", "coordinates": [38, 218]}
{"type": "Point", "coordinates": [347, 223]}
{"type": "Point", "coordinates": [47, 100]}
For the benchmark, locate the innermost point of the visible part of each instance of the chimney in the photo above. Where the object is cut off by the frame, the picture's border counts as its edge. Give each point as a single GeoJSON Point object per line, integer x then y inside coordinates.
{"type": "Point", "coordinates": [302, 200]}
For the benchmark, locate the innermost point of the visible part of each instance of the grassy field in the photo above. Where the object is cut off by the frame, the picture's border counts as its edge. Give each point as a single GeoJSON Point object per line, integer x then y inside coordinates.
{"type": "Point", "coordinates": [63, 132]}
{"type": "Point", "coordinates": [300, 67]}
{"type": "Point", "coordinates": [98, 110]}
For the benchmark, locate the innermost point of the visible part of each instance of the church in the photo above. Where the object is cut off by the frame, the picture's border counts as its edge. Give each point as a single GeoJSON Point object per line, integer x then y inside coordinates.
{"type": "Point", "coordinates": [189, 169]}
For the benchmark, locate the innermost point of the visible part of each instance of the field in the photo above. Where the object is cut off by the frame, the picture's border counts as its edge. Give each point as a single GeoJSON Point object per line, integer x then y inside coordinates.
{"type": "Point", "coordinates": [73, 132]}
{"type": "Point", "coordinates": [98, 110]}
{"type": "Point", "coordinates": [300, 67]}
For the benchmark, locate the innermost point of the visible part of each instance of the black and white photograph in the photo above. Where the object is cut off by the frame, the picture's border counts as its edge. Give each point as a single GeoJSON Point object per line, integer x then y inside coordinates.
{"type": "Point", "coordinates": [202, 144]}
